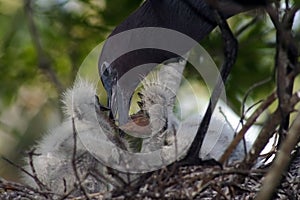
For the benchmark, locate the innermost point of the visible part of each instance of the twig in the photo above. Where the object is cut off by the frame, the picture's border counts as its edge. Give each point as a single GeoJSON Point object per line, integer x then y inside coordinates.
{"type": "Point", "coordinates": [74, 160]}
{"type": "Point", "coordinates": [98, 195]}
{"type": "Point", "coordinates": [243, 112]}
{"type": "Point", "coordinates": [252, 119]}
{"type": "Point", "coordinates": [282, 160]}
{"type": "Point", "coordinates": [285, 60]}
{"type": "Point", "coordinates": [235, 130]}
{"type": "Point", "coordinates": [26, 172]}
{"type": "Point", "coordinates": [246, 26]}
{"type": "Point", "coordinates": [226, 118]}
{"type": "Point", "coordinates": [254, 86]}
{"type": "Point", "coordinates": [216, 188]}
{"type": "Point", "coordinates": [22, 191]}
{"type": "Point", "coordinates": [116, 176]}
{"type": "Point", "coordinates": [36, 179]}
{"type": "Point", "coordinates": [267, 132]}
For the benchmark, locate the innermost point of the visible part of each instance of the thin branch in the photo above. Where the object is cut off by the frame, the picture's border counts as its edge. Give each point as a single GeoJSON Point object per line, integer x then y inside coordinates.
{"type": "Point", "coordinates": [267, 132]}
{"type": "Point", "coordinates": [243, 116]}
{"type": "Point", "coordinates": [285, 83]}
{"type": "Point", "coordinates": [74, 160]}
{"type": "Point", "coordinates": [282, 160]}
{"type": "Point", "coordinates": [246, 26]}
{"type": "Point", "coordinates": [36, 179]}
{"type": "Point", "coordinates": [254, 86]}
{"type": "Point", "coordinates": [21, 190]}
{"type": "Point", "coordinates": [43, 186]}
{"type": "Point", "coordinates": [226, 118]}
{"type": "Point", "coordinates": [252, 119]}
{"type": "Point", "coordinates": [285, 60]}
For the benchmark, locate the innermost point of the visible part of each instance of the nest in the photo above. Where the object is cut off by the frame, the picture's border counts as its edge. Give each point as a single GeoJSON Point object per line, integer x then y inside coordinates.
{"type": "Point", "coordinates": [187, 182]}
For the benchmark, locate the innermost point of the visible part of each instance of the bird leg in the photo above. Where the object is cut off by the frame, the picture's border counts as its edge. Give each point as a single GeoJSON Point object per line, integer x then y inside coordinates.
{"type": "Point", "coordinates": [230, 53]}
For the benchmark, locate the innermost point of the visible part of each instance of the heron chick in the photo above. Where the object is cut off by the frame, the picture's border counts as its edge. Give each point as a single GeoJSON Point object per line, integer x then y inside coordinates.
{"type": "Point", "coordinates": [53, 162]}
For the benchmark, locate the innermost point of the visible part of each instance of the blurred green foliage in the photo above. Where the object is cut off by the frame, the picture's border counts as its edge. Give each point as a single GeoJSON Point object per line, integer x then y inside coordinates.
{"type": "Point", "coordinates": [67, 31]}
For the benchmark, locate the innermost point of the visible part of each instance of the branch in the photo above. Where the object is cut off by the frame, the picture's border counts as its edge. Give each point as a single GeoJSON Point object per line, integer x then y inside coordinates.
{"type": "Point", "coordinates": [246, 26]}
{"type": "Point", "coordinates": [254, 86]}
{"type": "Point", "coordinates": [282, 160]}
{"type": "Point", "coordinates": [74, 157]}
{"type": "Point", "coordinates": [252, 119]}
{"type": "Point", "coordinates": [285, 60]}
{"type": "Point", "coordinates": [32, 153]}
{"type": "Point", "coordinates": [12, 190]}
{"type": "Point", "coordinates": [34, 176]}
{"type": "Point", "coordinates": [267, 132]}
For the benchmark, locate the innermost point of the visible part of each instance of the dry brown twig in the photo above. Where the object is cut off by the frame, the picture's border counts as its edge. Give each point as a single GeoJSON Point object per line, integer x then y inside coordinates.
{"type": "Point", "coordinates": [40, 184]}
{"type": "Point", "coordinates": [74, 157]}
{"type": "Point", "coordinates": [266, 133]}
{"type": "Point", "coordinates": [287, 67]}
{"type": "Point", "coordinates": [281, 162]}
{"type": "Point", "coordinates": [284, 64]}
{"type": "Point", "coordinates": [252, 119]}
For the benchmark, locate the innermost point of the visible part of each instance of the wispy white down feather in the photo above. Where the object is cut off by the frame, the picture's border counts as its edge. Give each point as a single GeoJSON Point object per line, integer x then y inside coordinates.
{"type": "Point", "coordinates": [158, 97]}
{"type": "Point", "coordinates": [53, 164]}
{"type": "Point", "coordinates": [81, 103]}
{"type": "Point", "coordinates": [80, 100]}
{"type": "Point", "coordinates": [161, 87]}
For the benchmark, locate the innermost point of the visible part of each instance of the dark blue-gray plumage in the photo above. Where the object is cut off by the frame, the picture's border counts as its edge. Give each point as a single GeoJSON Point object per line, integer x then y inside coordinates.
{"type": "Point", "coordinates": [193, 18]}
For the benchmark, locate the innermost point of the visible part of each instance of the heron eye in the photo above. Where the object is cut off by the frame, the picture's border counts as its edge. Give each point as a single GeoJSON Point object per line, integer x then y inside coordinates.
{"type": "Point", "coordinates": [105, 69]}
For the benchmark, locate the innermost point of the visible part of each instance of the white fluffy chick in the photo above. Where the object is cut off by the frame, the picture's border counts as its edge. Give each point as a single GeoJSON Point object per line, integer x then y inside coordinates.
{"type": "Point", "coordinates": [53, 164]}
{"type": "Point", "coordinates": [158, 98]}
